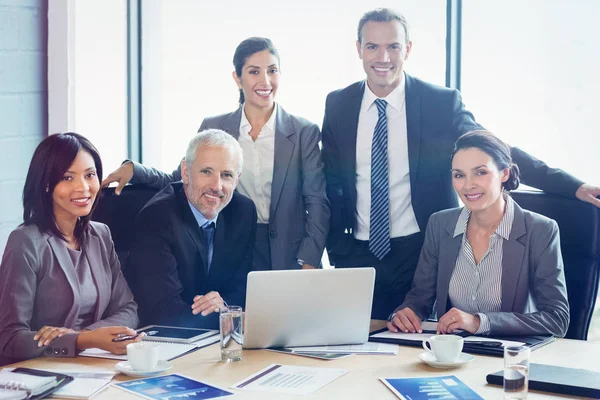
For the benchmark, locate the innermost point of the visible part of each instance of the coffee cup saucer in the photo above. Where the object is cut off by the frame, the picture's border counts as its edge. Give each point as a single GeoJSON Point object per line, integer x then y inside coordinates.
{"type": "Point", "coordinates": [127, 369]}
{"type": "Point", "coordinates": [430, 359]}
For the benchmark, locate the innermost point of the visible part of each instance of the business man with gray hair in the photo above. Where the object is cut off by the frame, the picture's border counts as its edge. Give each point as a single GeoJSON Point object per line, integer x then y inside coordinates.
{"type": "Point", "coordinates": [194, 240]}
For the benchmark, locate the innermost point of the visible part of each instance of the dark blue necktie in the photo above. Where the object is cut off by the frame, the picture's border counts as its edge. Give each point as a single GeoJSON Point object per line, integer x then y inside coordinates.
{"type": "Point", "coordinates": [208, 232]}
{"type": "Point", "coordinates": [379, 226]}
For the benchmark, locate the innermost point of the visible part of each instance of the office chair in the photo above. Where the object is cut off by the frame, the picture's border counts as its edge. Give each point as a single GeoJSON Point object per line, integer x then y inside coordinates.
{"type": "Point", "coordinates": [119, 212]}
{"type": "Point", "coordinates": [579, 225]}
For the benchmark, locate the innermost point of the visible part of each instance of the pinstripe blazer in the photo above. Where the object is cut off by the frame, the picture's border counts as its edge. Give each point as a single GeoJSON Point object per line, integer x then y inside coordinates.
{"type": "Point", "coordinates": [36, 289]}
{"type": "Point", "coordinates": [534, 293]}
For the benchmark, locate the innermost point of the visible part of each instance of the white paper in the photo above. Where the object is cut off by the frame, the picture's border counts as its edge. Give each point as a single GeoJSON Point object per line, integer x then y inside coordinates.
{"type": "Point", "coordinates": [289, 379]}
{"type": "Point", "coordinates": [365, 348]}
{"type": "Point", "coordinates": [168, 350]}
{"type": "Point", "coordinates": [87, 383]}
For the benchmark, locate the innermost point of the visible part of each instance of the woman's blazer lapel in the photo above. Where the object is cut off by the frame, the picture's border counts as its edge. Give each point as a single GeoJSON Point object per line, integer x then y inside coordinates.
{"type": "Point", "coordinates": [513, 252]}
{"type": "Point", "coordinates": [285, 142]}
{"type": "Point", "coordinates": [65, 264]}
{"type": "Point", "coordinates": [448, 254]}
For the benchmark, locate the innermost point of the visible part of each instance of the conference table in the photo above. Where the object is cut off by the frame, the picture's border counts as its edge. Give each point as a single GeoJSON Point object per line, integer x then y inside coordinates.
{"type": "Point", "coordinates": [363, 371]}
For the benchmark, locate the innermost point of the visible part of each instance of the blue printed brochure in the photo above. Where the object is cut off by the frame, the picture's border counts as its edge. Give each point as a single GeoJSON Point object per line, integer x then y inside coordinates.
{"type": "Point", "coordinates": [430, 388]}
{"type": "Point", "coordinates": [172, 386]}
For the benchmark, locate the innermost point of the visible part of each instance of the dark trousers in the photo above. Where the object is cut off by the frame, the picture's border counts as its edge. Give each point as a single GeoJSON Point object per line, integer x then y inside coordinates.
{"type": "Point", "coordinates": [394, 273]}
{"type": "Point", "coordinates": [262, 249]}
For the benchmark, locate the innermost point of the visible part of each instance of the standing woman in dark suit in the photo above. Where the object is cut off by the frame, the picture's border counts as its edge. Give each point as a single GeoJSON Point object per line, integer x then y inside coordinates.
{"type": "Point", "coordinates": [283, 171]}
{"type": "Point", "coordinates": [61, 286]}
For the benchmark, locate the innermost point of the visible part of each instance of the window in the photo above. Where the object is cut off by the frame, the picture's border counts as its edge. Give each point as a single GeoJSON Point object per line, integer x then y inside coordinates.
{"type": "Point", "coordinates": [87, 74]}
{"type": "Point", "coordinates": [530, 75]}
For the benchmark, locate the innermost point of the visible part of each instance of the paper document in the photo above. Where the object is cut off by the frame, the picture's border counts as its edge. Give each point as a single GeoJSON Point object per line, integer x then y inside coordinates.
{"type": "Point", "coordinates": [365, 348]}
{"type": "Point", "coordinates": [168, 351]}
{"type": "Point", "coordinates": [87, 383]}
{"type": "Point", "coordinates": [289, 379]}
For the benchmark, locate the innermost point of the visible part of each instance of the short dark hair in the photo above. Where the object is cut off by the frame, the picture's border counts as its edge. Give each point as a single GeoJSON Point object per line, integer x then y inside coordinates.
{"type": "Point", "coordinates": [246, 49]}
{"type": "Point", "coordinates": [51, 159]}
{"type": "Point", "coordinates": [383, 15]}
{"type": "Point", "coordinates": [493, 147]}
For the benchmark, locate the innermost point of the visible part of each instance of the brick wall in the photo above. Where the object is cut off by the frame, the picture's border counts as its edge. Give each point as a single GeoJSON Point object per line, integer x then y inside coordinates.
{"type": "Point", "coordinates": [23, 100]}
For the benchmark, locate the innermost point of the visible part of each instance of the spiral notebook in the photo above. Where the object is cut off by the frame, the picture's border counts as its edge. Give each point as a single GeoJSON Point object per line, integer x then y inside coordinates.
{"type": "Point", "coordinates": [26, 383]}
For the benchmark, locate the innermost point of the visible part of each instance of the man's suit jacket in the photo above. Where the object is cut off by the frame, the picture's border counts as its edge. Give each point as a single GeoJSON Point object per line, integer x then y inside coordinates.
{"type": "Point", "coordinates": [167, 264]}
{"type": "Point", "coordinates": [435, 119]}
{"type": "Point", "coordinates": [299, 211]}
{"type": "Point", "coordinates": [37, 288]}
{"type": "Point", "coordinates": [534, 292]}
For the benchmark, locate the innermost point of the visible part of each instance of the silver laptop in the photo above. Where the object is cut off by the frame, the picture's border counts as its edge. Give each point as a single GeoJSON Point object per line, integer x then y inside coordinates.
{"type": "Point", "coordinates": [308, 307]}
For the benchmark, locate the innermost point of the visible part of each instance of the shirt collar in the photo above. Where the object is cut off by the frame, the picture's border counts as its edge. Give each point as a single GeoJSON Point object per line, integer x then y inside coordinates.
{"type": "Point", "coordinates": [503, 228]}
{"type": "Point", "coordinates": [200, 218]}
{"type": "Point", "coordinates": [395, 99]}
{"type": "Point", "coordinates": [245, 126]}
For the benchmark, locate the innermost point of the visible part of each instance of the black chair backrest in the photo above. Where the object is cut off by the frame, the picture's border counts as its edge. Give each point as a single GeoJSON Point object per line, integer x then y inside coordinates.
{"type": "Point", "coordinates": [579, 225]}
{"type": "Point", "coordinates": [119, 212]}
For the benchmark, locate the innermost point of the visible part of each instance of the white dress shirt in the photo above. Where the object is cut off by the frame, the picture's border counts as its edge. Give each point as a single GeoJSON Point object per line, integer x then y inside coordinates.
{"type": "Point", "coordinates": [402, 216]}
{"type": "Point", "coordinates": [257, 177]}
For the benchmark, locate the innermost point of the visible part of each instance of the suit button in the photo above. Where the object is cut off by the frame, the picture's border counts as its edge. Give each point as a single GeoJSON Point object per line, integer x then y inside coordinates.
{"type": "Point", "coordinates": [273, 234]}
{"type": "Point", "coordinates": [65, 352]}
{"type": "Point", "coordinates": [48, 350]}
{"type": "Point", "coordinates": [57, 351]}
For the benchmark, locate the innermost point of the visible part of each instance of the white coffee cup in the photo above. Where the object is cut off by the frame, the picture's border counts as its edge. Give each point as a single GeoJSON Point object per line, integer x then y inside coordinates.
{"type": "Point", "coordinates": [143, 356]}
{"type": "Point", "coordinates": [445, 348]}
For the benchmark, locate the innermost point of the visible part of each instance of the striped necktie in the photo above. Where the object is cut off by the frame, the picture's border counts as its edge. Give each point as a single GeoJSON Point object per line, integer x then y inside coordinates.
{"type": "Point", "coordinates": [379, 226]}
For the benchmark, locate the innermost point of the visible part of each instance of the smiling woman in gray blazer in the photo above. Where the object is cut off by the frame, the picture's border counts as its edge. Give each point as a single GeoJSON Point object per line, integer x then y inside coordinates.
{"type": "Point", "coordinates": [283, 169]}
{"type": "Point", "coordinates": [490, 267]}
{"type": "Point", "coordinates": [61, 286]}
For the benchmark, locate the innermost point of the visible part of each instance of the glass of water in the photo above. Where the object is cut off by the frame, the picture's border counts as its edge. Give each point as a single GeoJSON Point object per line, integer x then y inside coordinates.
{"type": "Point", "coordinates": [516, 372]}
{"type": "Point", "coordinates": [231, 331]}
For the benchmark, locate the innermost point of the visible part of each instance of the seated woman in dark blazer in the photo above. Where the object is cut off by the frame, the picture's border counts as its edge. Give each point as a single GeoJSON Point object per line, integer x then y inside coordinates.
{"type": "Point", "coordinates": [283, 168]}
{"type": "Point", "coordinates": [61, 286]}
{"type": "Point", "coordinates": [490, 267]}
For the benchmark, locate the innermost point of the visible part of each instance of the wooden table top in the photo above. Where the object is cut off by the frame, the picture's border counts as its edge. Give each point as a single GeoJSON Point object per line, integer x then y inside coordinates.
{"type": "Point", "coordinates": [360, 382]}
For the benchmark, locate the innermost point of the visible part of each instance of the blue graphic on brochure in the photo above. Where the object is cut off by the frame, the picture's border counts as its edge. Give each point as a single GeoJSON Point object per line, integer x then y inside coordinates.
{"type": "Point", "coordinates": [172, 387]}
{"type": "Point", "coordinates": [431, 388]}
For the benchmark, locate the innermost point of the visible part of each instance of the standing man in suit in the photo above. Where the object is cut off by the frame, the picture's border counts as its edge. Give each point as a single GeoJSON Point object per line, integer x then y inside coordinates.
{"type": "Point", "coordinates": [386, 142]}
{"type": "Point", "coordinates": [194, 239]}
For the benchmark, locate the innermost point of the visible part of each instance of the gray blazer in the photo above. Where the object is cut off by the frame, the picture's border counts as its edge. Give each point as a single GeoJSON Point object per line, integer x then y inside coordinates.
{"type": "Point", "coordinates": [299, 211]}
{"type": "Point", "coordinates": [36, 289]}
{"type": "Point", "coordinates": [534, 293]}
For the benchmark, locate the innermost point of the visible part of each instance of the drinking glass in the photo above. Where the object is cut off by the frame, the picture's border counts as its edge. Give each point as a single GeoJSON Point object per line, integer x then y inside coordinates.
{"type": "Point", "coordinates": [516, 372]}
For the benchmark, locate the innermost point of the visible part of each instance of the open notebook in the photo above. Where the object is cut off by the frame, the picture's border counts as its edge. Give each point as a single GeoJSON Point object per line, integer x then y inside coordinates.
{"type": "Point", "coordinates": [22, 383]}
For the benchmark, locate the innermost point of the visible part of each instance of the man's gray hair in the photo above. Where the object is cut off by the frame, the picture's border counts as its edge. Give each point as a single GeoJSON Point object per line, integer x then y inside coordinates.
{"type": "Point", "coordinates": [214, 138]}
{"type": "Point", "coordinates": [383, 15]}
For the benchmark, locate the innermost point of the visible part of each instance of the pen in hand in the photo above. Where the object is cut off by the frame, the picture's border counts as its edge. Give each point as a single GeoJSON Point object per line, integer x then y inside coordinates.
{"type": "Point", "coordinates": [121, 337]}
